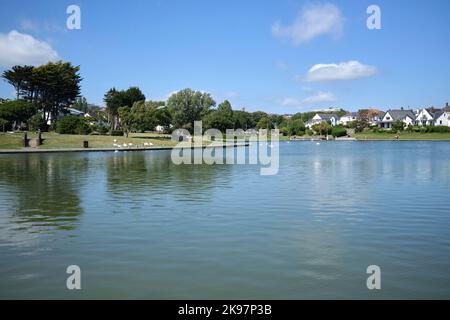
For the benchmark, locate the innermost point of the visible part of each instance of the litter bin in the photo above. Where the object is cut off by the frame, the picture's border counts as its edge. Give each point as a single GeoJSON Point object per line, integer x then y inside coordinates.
{"type": "Point", "coordinates": [86, 144]}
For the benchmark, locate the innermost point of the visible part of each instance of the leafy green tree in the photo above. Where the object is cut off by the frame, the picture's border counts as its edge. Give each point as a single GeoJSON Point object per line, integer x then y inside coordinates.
{"type": "Point", "coordinates": [297, 128]}
{"type": "Point", "coordinates": [323, 128]}
{"type": "Point", "coordinates": [163, 117]}
{"type": "Point", "coordinates": [130, 96]}
{"type": "Point", "coordinates": [256, 117]}
{"type": "Point", "coordinates": [49, 87]}
{"type": "Point", "coordinates": [3, 124]}
{"type": "Point", "coordinates": [115, 99]}
{"type": "Point", "coordinates": [18, 77]}
{"type": "Point", "coordinates": [16, 111]}
{"type": "Point", "coordinates": [242, 120]}
{"type": "Point", "coordinates": [221, 119]}
{"type": "Point", "coordinates": [264, 123]}
{"type": "Point", "coordinates": [126, 119]}
{"type": "Point", "coordinates": [187, 106]}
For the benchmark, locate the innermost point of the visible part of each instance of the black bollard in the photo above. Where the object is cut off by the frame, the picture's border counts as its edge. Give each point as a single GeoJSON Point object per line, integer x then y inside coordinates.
{"type": "Point", "coordinates": [39, 138]}
{"type": "Point", "coordinates": [25, 140]}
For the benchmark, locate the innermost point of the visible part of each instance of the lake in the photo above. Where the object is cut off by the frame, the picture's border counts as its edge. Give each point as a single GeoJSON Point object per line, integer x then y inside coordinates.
{"type": "Point", "coordinates": [139, 226]}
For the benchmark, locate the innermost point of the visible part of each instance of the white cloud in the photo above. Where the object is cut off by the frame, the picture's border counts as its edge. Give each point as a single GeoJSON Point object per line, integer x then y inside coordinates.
{"type": "Point", "coordinates": [343, 71]}
{"type": "Point", "coordinates": [318, 97]}
{"type": "Point", "coordinates": [312, 21]}
{"type": "Point", "coordinates": [18, 49]}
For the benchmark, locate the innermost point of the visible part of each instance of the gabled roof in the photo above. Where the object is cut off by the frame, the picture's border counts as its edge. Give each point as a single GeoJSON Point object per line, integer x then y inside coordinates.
{"type": "Point", "coordinates": [327, 116]}
{"type": "Point", "coordinates": [401, 114]}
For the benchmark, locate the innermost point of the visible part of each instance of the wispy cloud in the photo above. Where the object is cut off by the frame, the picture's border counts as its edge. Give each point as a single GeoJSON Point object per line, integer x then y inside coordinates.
{"type": "Point", "coordinates": [315, 98]}
{"type": "Point", "coordinates": [311, 22]}
{"type": "Point", "coordinates": [20, 48]}
{"type": "Point", "coordinates": [343, 71]}
{"type": "Point", "coordinates": [28, 25]}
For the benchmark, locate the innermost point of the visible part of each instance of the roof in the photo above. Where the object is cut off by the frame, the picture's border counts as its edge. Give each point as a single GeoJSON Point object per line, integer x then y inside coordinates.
{"type": "Point", "coordinates": [327, 116]}
{"type": "Point", "coordinates": [401, 114]}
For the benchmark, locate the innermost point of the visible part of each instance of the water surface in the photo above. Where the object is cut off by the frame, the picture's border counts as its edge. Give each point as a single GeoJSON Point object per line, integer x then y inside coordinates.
{"type": "Point", "coordinates": [140, 227]}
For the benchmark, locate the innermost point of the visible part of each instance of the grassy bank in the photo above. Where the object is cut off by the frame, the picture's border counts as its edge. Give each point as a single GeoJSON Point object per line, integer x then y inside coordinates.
{"type": "Point", "coordinates": [62, 141]}
{"type": "Point", "coordinates": [403, 136]}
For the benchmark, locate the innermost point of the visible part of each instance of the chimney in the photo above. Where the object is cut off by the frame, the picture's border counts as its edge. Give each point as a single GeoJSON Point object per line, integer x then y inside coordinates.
{"type": "Point", "coordinates": [402, 108]}
{"type": "Point", "coordinates": [446, 104]}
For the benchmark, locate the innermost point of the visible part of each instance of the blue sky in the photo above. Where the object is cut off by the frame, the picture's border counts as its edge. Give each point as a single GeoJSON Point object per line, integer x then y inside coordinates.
{"type": "Point", "coordinates": [258, 54]}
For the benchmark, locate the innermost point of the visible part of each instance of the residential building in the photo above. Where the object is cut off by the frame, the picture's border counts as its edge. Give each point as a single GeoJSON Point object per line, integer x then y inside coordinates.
{"type": "Point", "coordinates": [320, 117]}
{"type": "Point", "coordinates": [407, 116]}
{"type": "Point", "coordinates": [349, 117]}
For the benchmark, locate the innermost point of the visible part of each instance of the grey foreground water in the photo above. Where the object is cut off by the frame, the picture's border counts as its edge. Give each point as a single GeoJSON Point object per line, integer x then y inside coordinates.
{"type": "Point", "coordinates": [141, 227]}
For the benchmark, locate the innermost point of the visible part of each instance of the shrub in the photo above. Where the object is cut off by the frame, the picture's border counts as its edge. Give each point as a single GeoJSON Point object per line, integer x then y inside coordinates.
{"type": "Point", "coordinates": [72, 125]}
{"type": "Point", "coordinates": [438, 129]}
{"type": "Point", "coordinates": [116, 133]}
{"type": "Point", "coordinates": [338, 131]}
{"type": "Point", "coordinates": [37, 122]}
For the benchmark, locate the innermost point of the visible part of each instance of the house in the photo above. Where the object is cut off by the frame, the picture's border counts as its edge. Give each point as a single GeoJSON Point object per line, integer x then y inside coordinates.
{"type": "Point", "coordinates": [442, 118]}
{"type": "Point", "coordinates": [63, 113]}
{"type": "Point", "coordinates": [321, 117]}
{"type": "Point", "coordinates": [424, 118]}
{"type": "Point", "coordinates": [349, 117]}
{"type": "Point", "coordinates": [407, 116]}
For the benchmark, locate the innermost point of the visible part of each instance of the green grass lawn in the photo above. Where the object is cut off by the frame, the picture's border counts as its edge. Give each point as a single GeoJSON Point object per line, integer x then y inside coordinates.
{"type": "Point", "coordinates": [403, 136]}
{"type": "Point", "coordinates": [61, 141]}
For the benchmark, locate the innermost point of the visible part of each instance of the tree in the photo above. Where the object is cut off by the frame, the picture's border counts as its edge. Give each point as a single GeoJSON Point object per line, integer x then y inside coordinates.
{"type": "Point", "coordinates": [115, 99]}
{"type": "Point", "coordinates": [3, 124]}
{"type": "Point", "coordinates": [187, 106]}
{"type": "Point", "coordinates": [18, 77]}
{"type": "Point", "coordinates": [221, 119]}
{"type": "Point", "coordinates": [49, 87]}
{"type": "Point", "coordinates": [16, 111]}
{"type": "Point", "coordinates": [264, 123]}
{"type": "Point", "coordinates": [242, 120]}
{"type": "Point", "coordinates": [130, 96]}
{"type": "Point", "coordinates": [81, 104]}
{"type": "Point", "coordinates": [126, 119]}
{"type": "Point", "coordinates": [323, 128]}
{"type": "Point", "coordinates": [297, 128]}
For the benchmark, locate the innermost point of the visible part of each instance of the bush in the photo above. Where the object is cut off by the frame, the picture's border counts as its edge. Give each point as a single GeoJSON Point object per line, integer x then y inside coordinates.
{"type": "Point", "coordinates": [438, 129]}
{"type": "Point", "coordinates": [37, 122]}
{"type": "Point", "coordinates": [72, 125]}
{"type": "Point", "coordinates": [116, 133]}
{"type": "Point", "coordinates": [338, 131]}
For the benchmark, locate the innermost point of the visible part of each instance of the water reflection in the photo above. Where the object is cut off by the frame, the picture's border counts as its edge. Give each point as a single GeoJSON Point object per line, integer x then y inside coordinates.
{"type": "Point", "coordinates": [40, 193]}
{"type": "Point", "coordinates": [150, 174]}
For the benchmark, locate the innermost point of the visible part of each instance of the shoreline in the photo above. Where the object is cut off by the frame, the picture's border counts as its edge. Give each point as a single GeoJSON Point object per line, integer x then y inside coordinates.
{"type": "Point", "coordinates": [66, 150]}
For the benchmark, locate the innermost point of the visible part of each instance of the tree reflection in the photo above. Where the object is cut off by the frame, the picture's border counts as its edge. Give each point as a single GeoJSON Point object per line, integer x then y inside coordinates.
{"type": "Point", "coordinates": [42, 191]}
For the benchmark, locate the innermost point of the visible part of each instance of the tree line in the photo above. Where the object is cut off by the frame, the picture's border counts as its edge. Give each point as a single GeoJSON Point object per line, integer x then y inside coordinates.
{"type": "Point", "coordinates": [44, 91]}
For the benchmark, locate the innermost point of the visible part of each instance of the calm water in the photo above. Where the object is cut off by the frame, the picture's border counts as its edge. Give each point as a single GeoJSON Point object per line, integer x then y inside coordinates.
{"type": "Point", "coordinates": [141, 227]}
